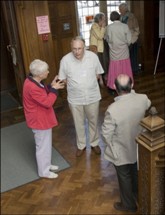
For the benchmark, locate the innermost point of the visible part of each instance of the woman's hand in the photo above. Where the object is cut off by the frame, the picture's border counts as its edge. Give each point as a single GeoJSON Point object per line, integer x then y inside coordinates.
{"type": "Point", "coordinates": [55, 79]}
{"type": "Point", "coordinates": [57, 84]}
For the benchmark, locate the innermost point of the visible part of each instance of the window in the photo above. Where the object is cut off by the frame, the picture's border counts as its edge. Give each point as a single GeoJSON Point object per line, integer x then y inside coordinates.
{"type": "Point", "coordinates": [86, 12]}
{"type": "Point", "coordinates": [111, 6]}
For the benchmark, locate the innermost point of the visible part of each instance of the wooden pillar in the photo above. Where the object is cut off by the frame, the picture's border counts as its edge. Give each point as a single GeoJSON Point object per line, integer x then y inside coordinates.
{"type": "Point", "coordinates": [103, 9]}
{"type": "Point", "coordinates": [151, 176]}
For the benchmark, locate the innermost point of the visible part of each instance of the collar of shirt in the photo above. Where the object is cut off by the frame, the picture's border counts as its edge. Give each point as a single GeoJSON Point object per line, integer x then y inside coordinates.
{"type": "Point", "coordinates": [124, 95]}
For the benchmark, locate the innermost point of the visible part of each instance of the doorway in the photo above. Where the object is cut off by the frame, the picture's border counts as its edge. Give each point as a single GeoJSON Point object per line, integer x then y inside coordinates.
{"type": "Point", "coordinates": [9, 93]}
{"type": "Point", "coordinates": [12, 72]}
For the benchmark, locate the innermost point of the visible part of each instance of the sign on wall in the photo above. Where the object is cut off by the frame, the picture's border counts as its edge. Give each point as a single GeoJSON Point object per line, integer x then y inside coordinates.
{"type": "Point", "coordinates": [43, 24]}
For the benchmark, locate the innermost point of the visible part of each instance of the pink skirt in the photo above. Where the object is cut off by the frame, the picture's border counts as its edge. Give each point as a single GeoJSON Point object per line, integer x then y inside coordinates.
{"type": "Point", "coordinates": [117, 67]}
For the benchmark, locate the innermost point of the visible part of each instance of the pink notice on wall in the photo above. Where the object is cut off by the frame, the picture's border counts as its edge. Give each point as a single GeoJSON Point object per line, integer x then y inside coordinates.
{"type": "Point", "coordinates": [43, 24]}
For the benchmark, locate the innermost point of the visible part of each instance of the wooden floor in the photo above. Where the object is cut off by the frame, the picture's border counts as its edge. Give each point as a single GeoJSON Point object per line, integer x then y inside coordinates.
{"type": "Point", "coordinates": [90, 185]}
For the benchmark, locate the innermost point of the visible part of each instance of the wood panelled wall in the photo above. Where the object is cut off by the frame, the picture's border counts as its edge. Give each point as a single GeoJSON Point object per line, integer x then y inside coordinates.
{"type": "Point", "coordinates": [147, 13]}
{"type": "Point", "coordinates": [63, 26]}
{"type": "Point", "coordinates": [7, 77]}
{"type": "Point", "coordinates": [51, 51]}
{"type": "Point", "coordinates": [64, 13]}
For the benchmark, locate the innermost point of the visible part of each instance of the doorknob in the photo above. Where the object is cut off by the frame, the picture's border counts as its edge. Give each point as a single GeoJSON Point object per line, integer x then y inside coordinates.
{"type": "Point", "coordinates": [9, 48]}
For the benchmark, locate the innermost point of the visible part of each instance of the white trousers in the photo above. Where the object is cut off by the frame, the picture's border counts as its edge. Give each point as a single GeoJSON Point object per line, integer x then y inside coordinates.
{"type": "Point", "coordinates": [43, 141]}
{"type": "Point", "coordinates": [80, 113]}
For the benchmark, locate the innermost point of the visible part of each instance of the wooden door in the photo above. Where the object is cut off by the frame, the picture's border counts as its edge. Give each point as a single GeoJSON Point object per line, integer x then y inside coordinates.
{"type": "Point", "coordinates": [7, 70]}
{"type": "Point", "coordinates": [14, 44]}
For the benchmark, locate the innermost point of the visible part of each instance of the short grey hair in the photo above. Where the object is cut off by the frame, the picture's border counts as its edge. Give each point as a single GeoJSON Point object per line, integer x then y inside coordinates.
{"type": "Point", "coordinates": [38, 67]}
{"type": "Point", "coordinates": [98, 17]}
{"type": "Point", "coordinates": [80, 38]}
{"type": "Point", "coordinates": [124, 5]}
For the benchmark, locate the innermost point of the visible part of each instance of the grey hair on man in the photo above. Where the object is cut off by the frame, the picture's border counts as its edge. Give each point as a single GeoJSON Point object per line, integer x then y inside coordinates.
{"type": "Point", "coordinates": [78, 38]}
{"type": "Point", "coordinates": [124, 6]}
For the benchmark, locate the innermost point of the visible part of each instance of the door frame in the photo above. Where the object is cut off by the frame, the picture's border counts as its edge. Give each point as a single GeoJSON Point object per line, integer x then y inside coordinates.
{"type": "Point", "coordinates": [14, 47]}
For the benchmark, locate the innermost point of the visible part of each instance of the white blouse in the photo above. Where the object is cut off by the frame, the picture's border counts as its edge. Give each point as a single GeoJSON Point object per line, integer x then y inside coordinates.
{"type": "Point", "coordinates": [118, 37]}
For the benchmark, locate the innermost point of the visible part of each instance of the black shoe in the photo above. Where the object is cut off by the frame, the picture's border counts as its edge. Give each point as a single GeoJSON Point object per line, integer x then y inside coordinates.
{"type": "Point", "coordinates": [118, 206]}
{"type": "Point", "coordinates": [96, 149]}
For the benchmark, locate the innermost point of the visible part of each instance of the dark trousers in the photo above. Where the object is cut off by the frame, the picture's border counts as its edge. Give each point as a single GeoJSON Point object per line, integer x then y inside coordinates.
{"type": "Point", "coordinates": [128, 184]}
{"type": "Point", "coordinates": [104, 59]}
{"type": "Point", "coordinates": [133, 51]}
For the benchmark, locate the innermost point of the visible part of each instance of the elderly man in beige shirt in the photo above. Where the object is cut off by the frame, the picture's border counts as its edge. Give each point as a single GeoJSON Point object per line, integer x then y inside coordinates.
{"type": "Point", "coordinates": [80, 70]}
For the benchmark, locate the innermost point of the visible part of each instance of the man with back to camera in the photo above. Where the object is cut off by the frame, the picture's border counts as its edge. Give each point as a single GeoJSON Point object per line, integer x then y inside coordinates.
{"type": "Point", "coordinates": [119, 130]}
{"type": "Point", "coordinates": [80, 70]}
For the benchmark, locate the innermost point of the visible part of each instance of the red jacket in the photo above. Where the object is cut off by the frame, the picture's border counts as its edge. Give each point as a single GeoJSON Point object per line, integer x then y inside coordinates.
{"type": "Point", "coordinates": [38, 105]}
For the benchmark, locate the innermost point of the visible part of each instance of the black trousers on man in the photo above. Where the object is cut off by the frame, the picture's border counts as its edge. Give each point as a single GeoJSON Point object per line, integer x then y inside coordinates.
{"type": "Point", "coordinates": [128, 184]}
{"type": "Point", "coordinates": [133, 51]}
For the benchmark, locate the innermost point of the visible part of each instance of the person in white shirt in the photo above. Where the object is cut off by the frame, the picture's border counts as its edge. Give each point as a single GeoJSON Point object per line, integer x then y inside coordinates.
{"type": "Point", "coordinates": [80, 70]}
{"type": "Point", "coordinates": [119, 38]}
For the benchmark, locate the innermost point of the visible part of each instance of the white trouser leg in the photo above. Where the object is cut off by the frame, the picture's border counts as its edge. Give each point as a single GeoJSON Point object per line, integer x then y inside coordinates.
{"type": "Point", "coordinates": [92, 114]}
{"type": "Point", "coordinates": [43, 141]}
{"type": "Point", "coordinates": [79, 123]}
{"type": "Point", "coordinates": [80, 113]}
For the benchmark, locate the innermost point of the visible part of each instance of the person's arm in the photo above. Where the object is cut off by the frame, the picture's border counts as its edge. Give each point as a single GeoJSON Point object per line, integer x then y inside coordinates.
{"type": "Point", "coordinates": [134, 27]}
{"type": "Point", "coordinates": [106, 34]}
{"type": "Point", "coordinates": [128, 35]}
{"type": "Point", "coordinates": [99, 70]}
{"type": "Point", "coordinates": [62, 72]}
{"type": "Point", "coordinates": [100, 80]}
{"type": "Point", "coordinates": [98, 32]}
{"type": "Point", "coordinates": [108, 128]}
{"type": "Point", "coordinates": [148, 102]}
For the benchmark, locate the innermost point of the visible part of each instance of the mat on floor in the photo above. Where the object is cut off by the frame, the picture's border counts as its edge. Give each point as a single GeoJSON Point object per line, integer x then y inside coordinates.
{"type": "Point", "coordinates": [8, 102]}
{"type": "Point", "coordinates": [18, 163]}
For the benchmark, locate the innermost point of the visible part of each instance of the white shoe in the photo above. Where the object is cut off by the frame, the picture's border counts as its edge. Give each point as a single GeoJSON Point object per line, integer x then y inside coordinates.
{"type": "Point", "coordinates": [53, 167]}
{"type": "Point", "coordinates": [52, 175]}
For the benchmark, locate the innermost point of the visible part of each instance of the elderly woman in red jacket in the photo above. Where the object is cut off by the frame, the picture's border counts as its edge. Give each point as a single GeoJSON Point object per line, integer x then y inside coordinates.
{"type": "Point", "coordinates": [38, 100]}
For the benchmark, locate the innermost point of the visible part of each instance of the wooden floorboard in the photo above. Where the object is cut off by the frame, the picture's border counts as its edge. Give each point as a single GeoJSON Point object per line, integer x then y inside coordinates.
{"type": "Point", "coordinates": [90, 185]}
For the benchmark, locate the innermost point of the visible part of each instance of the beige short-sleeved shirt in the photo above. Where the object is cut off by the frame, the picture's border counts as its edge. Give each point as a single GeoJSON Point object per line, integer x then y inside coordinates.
{"type": "Point", "coordinates": [81, 76]}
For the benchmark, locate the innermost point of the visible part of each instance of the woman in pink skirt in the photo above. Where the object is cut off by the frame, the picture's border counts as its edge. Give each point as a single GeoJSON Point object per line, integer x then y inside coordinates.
{"type": "Point", "coordinates": [118, 37]}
